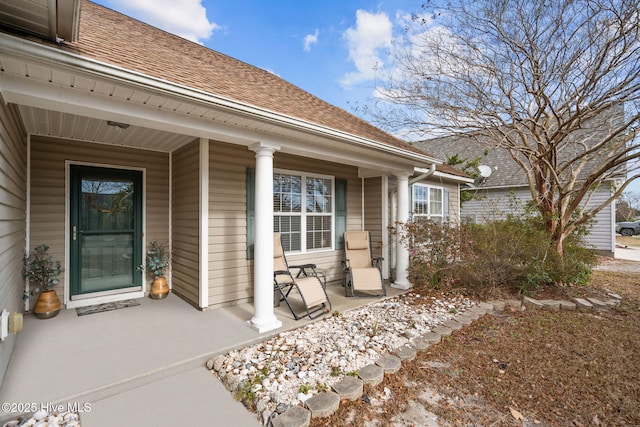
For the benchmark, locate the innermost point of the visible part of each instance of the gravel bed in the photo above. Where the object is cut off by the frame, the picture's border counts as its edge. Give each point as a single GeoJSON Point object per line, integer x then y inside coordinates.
{"type": "Point", "coordinates": [291, 367]}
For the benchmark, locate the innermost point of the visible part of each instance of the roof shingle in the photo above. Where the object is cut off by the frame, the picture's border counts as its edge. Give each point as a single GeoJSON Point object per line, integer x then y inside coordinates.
{"type": "Point", "coordinates": [114, 38]}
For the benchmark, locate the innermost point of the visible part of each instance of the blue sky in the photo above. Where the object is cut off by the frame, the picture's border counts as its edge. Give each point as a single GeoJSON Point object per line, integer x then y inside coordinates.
{"type": "Point", "coordinates": [329, 48]}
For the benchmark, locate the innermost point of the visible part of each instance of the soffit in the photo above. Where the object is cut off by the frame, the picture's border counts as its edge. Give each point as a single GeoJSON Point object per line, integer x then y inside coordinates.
{"type": "Point", "coordinates": [51, 19]}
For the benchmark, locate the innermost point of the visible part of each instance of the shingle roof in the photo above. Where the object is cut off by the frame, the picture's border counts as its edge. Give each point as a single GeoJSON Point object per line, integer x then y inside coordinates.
{"type": "Point", "coordinates": [505, 171]}
{"type": "Point", "coordinates": [114, 38]}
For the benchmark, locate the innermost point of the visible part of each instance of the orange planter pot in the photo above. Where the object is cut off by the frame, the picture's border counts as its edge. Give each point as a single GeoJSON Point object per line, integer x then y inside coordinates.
{"type": "Point", "coordinates": [48, 305]}
{"type": "Point", "coordinates": [159, 288]}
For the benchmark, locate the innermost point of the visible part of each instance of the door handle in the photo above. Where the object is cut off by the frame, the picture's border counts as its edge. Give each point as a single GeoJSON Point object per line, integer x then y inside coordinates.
{"type": "Point", "coordinates": [74, 232]}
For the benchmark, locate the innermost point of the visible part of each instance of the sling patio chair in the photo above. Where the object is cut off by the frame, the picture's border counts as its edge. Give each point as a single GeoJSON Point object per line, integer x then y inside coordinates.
{"type": "Point", "coordinates": [362, 274]}
{"type": "Point", "coordinates": [313, 296]}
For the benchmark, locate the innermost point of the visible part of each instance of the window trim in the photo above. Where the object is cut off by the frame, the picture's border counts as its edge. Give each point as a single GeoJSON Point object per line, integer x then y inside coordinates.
{"type": "Point", "coordinates": [303, 211]}
{"type": "Point", "coordinates": [429, 215]}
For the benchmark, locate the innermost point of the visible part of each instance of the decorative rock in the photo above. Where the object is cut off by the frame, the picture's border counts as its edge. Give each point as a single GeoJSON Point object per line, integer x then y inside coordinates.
{"type": "Point", "coordinates": [614, 295]}
{"type": "Point", "coordinates": [371, 375]}
{"type": "Point", "coordinates": [432, 337]}
{"type": "Point", "coordinates": [40, 415]}
{"type": "Point", "coordinates": [488, 307]}
{"type": "Point", "coordinates": [474, 313]}
{"type": "Point", "coordinates": [498, 305]}
{"type": "Point", "coordinates": [442, 330]}
{"type": "Point", "coordinates": [550, 304]}
{"type": "Point", "coordinates": [405, 352]}
{"type": "Point", "coordinates": [349, 388]}
{"type": "Point", "coordinates": [454, 324]}
{"type": "Point", "coordinates": [583, 304]}
{"type": "Point", "coordinates": [419, 343]}
{"type": "Point", "coordinates": [391, 364]}
{"type": "Point", "coordinates": [43, 418]}
{"type": "Point", "coordinates": [532, 303]}
{"type": "Point", "coordinates": [612, 302]}
{"type": "Point", "coordinates": [461, 319]}
{"type": "Point", "coordinates": [323, 404]}
{"type": "Point", "coordinates": [294, 417]}
{"type": "Point", "coordinates": [349, 343]}
{"type": "Point", "coordinates": [567, 305]}
{"type": "Point", "coordinates": [599, 304]}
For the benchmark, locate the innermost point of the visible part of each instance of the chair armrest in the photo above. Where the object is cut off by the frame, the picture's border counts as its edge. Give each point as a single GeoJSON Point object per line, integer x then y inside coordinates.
{"type": "Point", "coordinates": [377, 262]}
{"type": "Point", "coordinates": [281, 272]}
{"type": "Point", "coordinates": [302, 267]}
{"type": "Point", "coordinates": [302, 270]}
{"type": "Point", "coordinates": [346, 266]}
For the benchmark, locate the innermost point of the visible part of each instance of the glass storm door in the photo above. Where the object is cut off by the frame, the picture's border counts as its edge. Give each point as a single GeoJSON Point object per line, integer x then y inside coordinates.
{"type": "Point", "coordinates": [106, 231]}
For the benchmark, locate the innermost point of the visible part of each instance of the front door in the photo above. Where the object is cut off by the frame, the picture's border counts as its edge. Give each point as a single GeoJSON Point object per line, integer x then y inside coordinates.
{"type": "Point", "coordinates": [106, 231]}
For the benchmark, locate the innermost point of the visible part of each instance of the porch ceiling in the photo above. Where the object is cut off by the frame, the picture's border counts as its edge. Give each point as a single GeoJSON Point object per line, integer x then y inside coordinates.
{"type": "Point", "coordinates": [38, 121]}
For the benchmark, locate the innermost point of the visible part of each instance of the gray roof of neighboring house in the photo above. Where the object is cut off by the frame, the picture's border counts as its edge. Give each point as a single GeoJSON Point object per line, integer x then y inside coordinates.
{"type": "Point", "coordinates": [505, 172]}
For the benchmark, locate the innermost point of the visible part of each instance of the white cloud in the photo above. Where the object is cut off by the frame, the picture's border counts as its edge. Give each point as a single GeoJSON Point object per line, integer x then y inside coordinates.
{"type": "Point", "coordinates": [310, 39]}
{"type": "Point", "coordinates": [185, 18]}
{"type": "Point", "coordinates": [372, 32]}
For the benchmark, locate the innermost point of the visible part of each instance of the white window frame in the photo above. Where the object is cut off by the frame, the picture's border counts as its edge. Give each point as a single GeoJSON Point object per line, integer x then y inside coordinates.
{"type": "Point", "coordinates": [303, 209]}
{"type": "Point", "coordinates": [428, 215]}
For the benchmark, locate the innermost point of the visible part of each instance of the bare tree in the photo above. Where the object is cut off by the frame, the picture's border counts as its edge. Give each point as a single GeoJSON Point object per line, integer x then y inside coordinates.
{"type": "Point", "coordinates": [555, 82]}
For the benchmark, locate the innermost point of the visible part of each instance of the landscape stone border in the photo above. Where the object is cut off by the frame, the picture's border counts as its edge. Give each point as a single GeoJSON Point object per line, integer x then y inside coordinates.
{"type": "Point", "coordinates": [350, 388]}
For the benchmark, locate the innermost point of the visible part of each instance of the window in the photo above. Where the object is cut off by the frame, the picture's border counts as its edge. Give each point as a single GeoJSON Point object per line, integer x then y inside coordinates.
{"type": "Point", "coordinates": [303, 211]}
{"type": "Point", "coordinates": [428, 202]}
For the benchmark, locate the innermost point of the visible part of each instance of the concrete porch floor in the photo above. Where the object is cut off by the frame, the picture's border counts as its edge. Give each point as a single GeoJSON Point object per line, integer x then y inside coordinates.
{"type": "Point", "coordinates": [141, 365]}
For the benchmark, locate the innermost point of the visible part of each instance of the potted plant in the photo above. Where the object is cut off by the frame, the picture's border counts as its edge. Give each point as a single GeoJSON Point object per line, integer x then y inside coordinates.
{"type": "Point", "coordinates": [40, 269]}
{"type": "Point", "coordinates": [157, 261]}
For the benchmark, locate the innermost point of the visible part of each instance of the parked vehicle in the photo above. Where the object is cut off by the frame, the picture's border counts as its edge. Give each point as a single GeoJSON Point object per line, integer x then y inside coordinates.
{"type": "Point", "coordinates": [628, 228]}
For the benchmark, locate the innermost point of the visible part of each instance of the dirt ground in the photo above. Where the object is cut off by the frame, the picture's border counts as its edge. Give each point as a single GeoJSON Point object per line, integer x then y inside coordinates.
{"type": "Point", "coordinates": [521, 368]}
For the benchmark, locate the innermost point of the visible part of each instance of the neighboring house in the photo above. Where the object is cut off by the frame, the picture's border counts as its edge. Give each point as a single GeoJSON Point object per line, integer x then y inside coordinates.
{"type": "Point", "coordinates": [504, 181]}
{"type": "Point", "coordinates": [114, 134]}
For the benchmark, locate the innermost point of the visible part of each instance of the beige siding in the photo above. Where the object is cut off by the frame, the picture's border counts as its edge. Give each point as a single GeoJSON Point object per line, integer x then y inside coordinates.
{"type": "Point", "coordinates": [185, 268]}
{"type": "Point", "coordinates": [230, 273]}
{"type": "Point", "coordinates": [48, 157]}
{"type": "Point", "coordinates": [13, 167]}
{"type": "Point", "coordinates": [373, 213]}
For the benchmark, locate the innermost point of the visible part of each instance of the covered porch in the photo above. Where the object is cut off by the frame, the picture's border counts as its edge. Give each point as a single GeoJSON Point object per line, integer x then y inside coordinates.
{"type": "Point", "coordinates": [192, 155]}
{"type": "Point", "coordinates": [141, 365]}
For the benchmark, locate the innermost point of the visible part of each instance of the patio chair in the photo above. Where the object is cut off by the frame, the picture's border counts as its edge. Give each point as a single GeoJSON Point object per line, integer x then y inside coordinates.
{"type": "Point", "coordinates": [362, 274]}
{"type": "Point", "coordinates": [313, 296]}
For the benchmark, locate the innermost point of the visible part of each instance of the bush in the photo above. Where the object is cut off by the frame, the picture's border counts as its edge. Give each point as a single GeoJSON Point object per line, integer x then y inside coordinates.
{"type": "Point", "coordinates": [433, 248]}
{"type": "Point", "coordinates": [514, 255]}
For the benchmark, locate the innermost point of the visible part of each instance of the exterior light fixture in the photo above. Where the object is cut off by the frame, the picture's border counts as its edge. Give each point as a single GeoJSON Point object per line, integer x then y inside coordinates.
{"type": "Point", "coordinates": [117, 124]}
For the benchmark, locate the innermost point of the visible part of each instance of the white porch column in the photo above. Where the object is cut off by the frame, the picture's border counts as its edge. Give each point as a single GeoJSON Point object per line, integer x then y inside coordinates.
{"type": "Point", "coordinates": [264, 318]}
{"type": "Point", "coordinates": [402, 253]}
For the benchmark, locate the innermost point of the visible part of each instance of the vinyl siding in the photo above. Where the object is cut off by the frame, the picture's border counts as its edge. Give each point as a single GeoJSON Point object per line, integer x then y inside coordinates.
{"type": "Point", "coordinates": [48, 157]}
{"type": "Point", "coordinates": [373, 213]}
{"type": "Point", "coordinates": [495, 204]}
{"type": "Point", "coordinates": [185, 266]}
{"type": "Point", "coordinates": [230, 273]}
{"type": "Point", "coordinates": [13, 172]}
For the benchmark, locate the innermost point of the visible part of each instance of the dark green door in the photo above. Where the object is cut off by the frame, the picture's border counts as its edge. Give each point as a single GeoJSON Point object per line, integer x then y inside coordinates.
{"type": "Point", "coordinates": [106, 231]}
